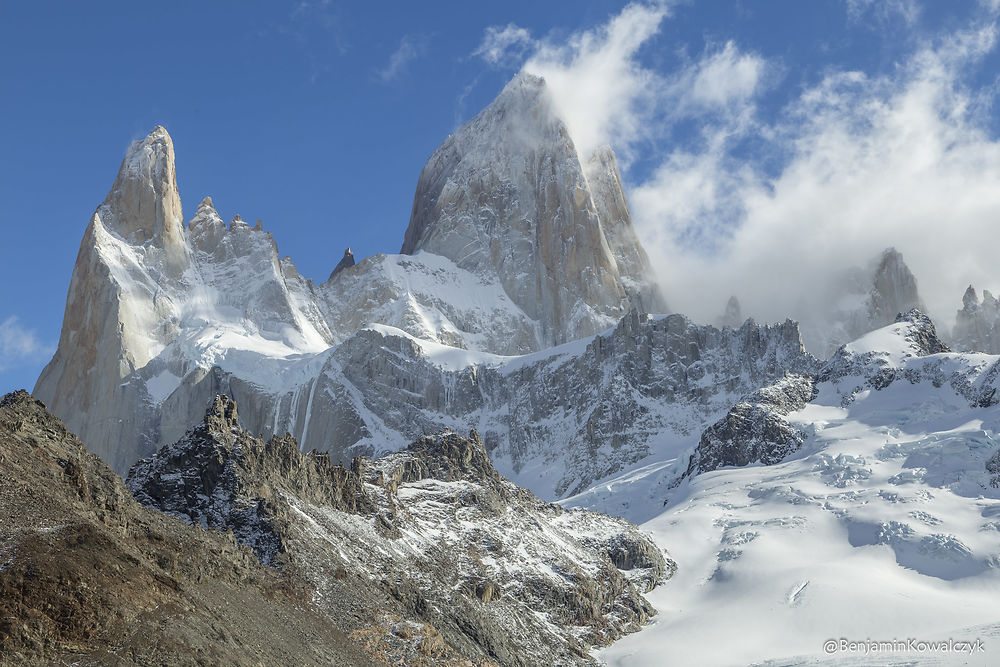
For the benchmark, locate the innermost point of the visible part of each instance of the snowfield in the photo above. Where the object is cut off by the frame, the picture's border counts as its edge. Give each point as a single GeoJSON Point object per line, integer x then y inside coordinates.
{"type": "Point", "coordinates": [884, 526]}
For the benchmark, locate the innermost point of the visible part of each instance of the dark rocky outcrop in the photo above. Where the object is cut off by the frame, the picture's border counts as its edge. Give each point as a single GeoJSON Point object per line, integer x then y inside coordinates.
{"type": "Point", "coordinates": [922, 334]}
{"type": "Point", "coordinates": [219, 476]}
{"type": "Point", "coordinates": [993, 468]}
{"type": "Point", "coordinates": [755, 429]}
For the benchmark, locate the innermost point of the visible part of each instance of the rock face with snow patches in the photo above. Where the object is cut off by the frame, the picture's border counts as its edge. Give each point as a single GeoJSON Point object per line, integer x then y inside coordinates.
{"type": "Point", "coordinates": [430, 535]}
{"type": "Point", "coordinates": [755, 429]}
{"type": "Point", "coordinates": [555, 421]}
{"type": "Point", "coordinates": [151, 305]}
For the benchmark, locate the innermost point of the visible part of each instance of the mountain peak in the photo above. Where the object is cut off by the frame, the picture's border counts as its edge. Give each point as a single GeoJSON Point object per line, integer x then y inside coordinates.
{"type": "Point", "coordinates": [150, 160]}
{"type": "Point", "coordinates": [977, 323]}
{"type": "Point", "coordinates": [732, 316]}
{"type": "Point", "coordinates": [144, 205]}
{"type": "Point", "coordinates": [523, 87]}
{"type": "Point", "coordinates": [508, 197]}
{"type": "Point", "coordinates": [895, 287]}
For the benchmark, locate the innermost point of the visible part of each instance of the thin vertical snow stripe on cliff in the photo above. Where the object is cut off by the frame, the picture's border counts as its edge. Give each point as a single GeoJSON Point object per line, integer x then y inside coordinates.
{"type": "Point", "coordinates": [309, 406]}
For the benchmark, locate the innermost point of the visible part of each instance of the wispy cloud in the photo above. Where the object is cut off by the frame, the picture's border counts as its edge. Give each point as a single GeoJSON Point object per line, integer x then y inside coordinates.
{"type": "Point", "coordinates": [317, 28]}
{"type": "Point", "coordinates": [602, 92]}
{"type": "Point", "coordinates": [504, 45]}
{"type": "Point", "coordinates": [606, 96]}
{"type": "Point", "coordinates": [883, 11]}
{"type": "Point", "coordinates": [410, 48]}
{"type": "Point", "coordinates": [18, 344]}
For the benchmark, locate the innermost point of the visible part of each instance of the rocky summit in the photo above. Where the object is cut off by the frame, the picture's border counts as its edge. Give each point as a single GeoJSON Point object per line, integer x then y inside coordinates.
{"type": "Point", "coordinates": [430, 540]}
{"type": "Point", "coordinates": [508, 195]}
{"type": "Point", "coordinates": [862, 299]}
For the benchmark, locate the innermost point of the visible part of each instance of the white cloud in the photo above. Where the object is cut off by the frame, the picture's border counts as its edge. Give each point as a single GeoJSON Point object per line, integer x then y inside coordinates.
{"type": "Point", "coordinates": [410, 48]}
{"type": "Point", "coordinates": [601, 91]}
{"type": "Point", "coordinates": [900, 160]}
{"type": "Point", "coordinates": [504, 45]}
{"type": "Point", "coordinates": [606, 96]}
{"type": "Point", "coordinates": [18, 344]}
{"type": "Point", "coordinates": [723, 78]}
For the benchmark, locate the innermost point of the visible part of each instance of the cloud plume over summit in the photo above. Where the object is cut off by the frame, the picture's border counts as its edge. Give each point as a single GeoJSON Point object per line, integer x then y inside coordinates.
{"type": "Point", "coordinates": [852, 163]}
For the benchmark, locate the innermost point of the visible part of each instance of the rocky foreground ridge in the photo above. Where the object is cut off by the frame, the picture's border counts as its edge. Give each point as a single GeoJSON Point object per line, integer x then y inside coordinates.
{"type": "Point", "coordinates": [429, 536]}
{"type": "Point", "coordinates": [424, 557]}
{"type": "Point", "coordinates": [90, 576]}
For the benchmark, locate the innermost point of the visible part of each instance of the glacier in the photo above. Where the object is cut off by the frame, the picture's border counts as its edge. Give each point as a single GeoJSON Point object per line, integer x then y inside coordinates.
{"type": "Point", "coordinates": [881, 525]}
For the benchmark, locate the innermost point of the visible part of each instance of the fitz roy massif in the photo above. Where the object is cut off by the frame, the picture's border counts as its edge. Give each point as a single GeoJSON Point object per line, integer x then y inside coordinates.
{"type": "Point", "coordinates": [497, 447]}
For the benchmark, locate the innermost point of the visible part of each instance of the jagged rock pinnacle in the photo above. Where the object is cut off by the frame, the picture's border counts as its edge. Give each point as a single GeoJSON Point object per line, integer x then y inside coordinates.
{"type": "Point", "coordinates": [977, 323]}
{"type": "Point", "coordinates": [970, 299]}
{"type": "Point", "coordinates": [223, 413]}
{"type": "Point", "coordinates": [922, 334]}
{"type": "Point", "coordinates": [895, 287]}
{"type": "Point", "coordinates": [345, 262]}
{"type": "Point", "coordinates": [206, 229]}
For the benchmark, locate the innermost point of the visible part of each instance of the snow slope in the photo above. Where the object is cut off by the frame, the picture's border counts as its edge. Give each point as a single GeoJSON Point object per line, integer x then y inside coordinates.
{"type": "Point", "coordinates": [884, 525]}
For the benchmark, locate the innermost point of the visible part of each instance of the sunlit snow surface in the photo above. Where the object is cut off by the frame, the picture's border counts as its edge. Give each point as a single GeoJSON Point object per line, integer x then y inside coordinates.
{"type": "Point", "coordinates": [884, 526]}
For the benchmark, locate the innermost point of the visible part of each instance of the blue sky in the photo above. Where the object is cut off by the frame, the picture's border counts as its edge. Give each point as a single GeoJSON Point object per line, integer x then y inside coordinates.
{"type": "Point", "coordinates": [317, 117]}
